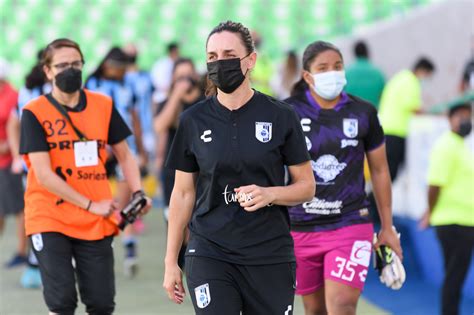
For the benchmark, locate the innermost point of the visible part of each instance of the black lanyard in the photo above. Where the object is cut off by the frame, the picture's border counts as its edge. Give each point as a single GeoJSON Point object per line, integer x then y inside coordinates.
{"type": "Point", "coordinates": [63, 112]}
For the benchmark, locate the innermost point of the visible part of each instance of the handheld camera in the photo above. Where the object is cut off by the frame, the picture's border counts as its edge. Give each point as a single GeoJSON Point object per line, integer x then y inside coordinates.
{"type": "Point", "coordinates": [130, 213]}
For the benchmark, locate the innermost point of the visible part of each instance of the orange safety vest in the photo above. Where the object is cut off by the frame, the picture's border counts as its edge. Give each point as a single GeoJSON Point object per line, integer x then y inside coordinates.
{"type": "Point", "coordinates": [46, 212]}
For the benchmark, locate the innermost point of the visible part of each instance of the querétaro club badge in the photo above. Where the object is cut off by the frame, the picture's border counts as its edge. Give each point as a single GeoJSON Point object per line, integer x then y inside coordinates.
{"type": "Point", "coordinates": [350, 127]}
{"type": "Point", "coordinates": [203, 295]}
{"type": "Point", "coordinates": [263, 131]}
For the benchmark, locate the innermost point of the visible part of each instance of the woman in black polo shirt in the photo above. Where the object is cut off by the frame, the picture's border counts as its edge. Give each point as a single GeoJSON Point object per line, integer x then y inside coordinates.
{"type": "Point", "coordinates": [229, 154]}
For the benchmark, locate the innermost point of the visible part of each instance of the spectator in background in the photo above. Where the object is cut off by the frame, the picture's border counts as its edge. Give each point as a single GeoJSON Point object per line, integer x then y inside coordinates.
{"type": "Point", "coordinates": [162, 71]}
{"type": "Point", "coordinates": [185, 92]}
{"type": "Point", "coordinates": [401, 99]}
{"type": "Point", "coordinates": [142, 89]}
{"type": "Point", "coordinates": [36, 84]}
{"type": "Point", "coordinates": [467, 81]}
{"type": "Point", "coordinates": [263, 71]}
{"type": "Point", "coordinates": [451, 205]}
{"type": "Point", "coordinates": [287, 75]}
{"type": "Point", "coordinates": [11, 187]}
{"type": "Point", "coordinates": [363, 78]}
{"type": "Point", "coordinates": [108, 79]}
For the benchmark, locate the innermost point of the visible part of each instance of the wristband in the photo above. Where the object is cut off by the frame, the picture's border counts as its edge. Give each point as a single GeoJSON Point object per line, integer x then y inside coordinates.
{"type": "Point", "coordinates": [89, 205]}
{"type": "Point", "coordinates": [138, 193]}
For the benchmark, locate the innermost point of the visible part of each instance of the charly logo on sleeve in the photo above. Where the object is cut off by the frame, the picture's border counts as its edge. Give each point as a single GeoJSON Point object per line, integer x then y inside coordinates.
{"type": "Point", "coordinates": [327, 167]}
{"type": "Point", "coordinates": [263, 131]}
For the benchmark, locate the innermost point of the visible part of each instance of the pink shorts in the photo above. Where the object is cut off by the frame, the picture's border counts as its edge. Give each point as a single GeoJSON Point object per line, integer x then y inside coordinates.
{"type": "Point", "coordinates": [341, 255]}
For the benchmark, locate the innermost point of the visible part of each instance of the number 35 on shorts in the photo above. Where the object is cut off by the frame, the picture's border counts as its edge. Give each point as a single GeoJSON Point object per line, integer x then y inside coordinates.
{"type": "Point", "coordinates": [346, 268]}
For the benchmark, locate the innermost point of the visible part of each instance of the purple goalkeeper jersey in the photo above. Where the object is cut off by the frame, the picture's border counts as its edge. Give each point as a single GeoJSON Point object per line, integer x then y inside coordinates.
{"type": "Point", "coordinates": [337, 140]}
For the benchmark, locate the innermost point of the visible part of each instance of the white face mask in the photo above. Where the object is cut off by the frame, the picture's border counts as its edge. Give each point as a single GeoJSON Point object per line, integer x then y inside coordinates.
{"type": "Point", "coordinates": [329, 84]}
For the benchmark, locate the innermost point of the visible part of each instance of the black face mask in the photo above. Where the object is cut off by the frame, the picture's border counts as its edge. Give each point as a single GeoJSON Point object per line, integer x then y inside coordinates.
{"type": "Point", "coordinates": [226, 74]}
{"type": "Point", "coordinates": [132, 59]}
{"type": "Point", "coordinates": [69, 81]}
{"type": "Point", "coordinates": [465, 128]}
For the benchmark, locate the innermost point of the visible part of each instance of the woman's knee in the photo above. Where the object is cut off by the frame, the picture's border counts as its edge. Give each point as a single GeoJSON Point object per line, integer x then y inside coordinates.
{"type": "Point", "coordinates": [343, 303]}
{"type": "Point", "coordinates": [314, 304]}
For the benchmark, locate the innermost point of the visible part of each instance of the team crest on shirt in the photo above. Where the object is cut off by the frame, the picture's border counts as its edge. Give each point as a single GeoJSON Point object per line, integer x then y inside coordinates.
{"type": "Point", "coordinates": [350, 126]}
{"type": "Point", "coordinates": [263, 131]}
{"type": "Point", "coordinates": [203, 295]}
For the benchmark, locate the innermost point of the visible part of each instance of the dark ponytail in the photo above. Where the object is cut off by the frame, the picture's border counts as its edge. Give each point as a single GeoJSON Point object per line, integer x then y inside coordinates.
{"type": "Point", "coordinates": [36, 77]}
{"type": "Point", "coordinates": [299, 87]}
{"type": "Point", "coordinates": [246, 38]}
{"type": "Point", "coordinates": [310, 53]}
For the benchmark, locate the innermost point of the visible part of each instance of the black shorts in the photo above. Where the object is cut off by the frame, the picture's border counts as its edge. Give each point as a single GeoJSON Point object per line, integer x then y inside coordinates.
{"type": "Point", "coordinates": [94, 269]}
{"type": "Point", "coordinates": [11, 193]}
{"type": "Point", "coordinates": [219, 287]}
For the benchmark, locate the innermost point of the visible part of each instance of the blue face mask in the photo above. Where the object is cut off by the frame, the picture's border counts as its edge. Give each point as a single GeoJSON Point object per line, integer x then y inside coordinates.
{"type": "Point", "coordinates": [329, 84]}
{"type": "Point", "coordinates": [424, 82]}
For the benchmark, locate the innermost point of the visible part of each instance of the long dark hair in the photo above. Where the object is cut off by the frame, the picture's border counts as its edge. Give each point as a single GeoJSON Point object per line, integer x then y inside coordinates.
{"type": "Point", "coordinates": [36, 77]}
{"type": "Point", "coordinates": [116, 54]}
{"type": "Point", "coordinates": [246, 38]}
{"type": "Point", "coordinates": [310, 53]}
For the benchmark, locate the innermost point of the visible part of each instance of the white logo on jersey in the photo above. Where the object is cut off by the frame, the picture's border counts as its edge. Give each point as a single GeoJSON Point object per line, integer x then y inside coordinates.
{"type": "Point", "coordinates": [328, 167]}
{"type": "Point", "coordinates": [204, 136]}
{"type": "Point", "coordinates": [37, 241]}
{"type": "Point", "coordinates": [203, 295]}
{"type": "Point", "coordinates": [288, 310]}
{"type": "Point", "coordinates": [263, 131]}
{"type": "Point", "coordinates": [361, 253]}
{"type": "Point", "coordinates": [230, 196]}
{"type": "Point", "coordinates": [347, 143]}
{"type": "Point", "coordinates": [350, 127]}
{"type": "Point", "coordinates": [323, 207]}
{"type": "Point", "coordinates": [306, 124]}
{"type": "Point", "coordinates": [309, 145]}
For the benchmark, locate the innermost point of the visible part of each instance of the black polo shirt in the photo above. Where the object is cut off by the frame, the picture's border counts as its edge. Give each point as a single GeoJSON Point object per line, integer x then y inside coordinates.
{"type": "Point", "coordinates": [230, 149]}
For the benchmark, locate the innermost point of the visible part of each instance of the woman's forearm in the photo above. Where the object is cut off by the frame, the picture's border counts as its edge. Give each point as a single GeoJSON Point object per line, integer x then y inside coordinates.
{"type": "Point", "coordinates": [13, 133]}
{"type": "Point", "coordinates": [137, 132]}
{"type": "Point", "coordinates": [382, 188]}
{"type": "Point", "coordinates": [433, 194]}
{"type": "Point", "coordinates": [180, 210]}
{"type": "Point", "coordinates": [56, 185]}
{"type": "Point", "coordinates": [168, 114]}
{"type": "Point", "coordinates": [293, 194]}
{"type": "Point", "coordinates": [130, 170]}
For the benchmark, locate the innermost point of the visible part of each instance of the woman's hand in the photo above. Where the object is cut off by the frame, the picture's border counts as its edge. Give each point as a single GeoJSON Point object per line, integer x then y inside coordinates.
{"type": "Point", "coordinates": [253, 197]}
{"type": "Point", "coordinates": [147, 207]}
{"type": "Point", "coordinates": [173, 283]}
{"type": "Point", "coordinates": [425, 220]}
{"type": "Point", "coordinates": [389, 237]}
{"type": "Point", "coordinates": [17, 166]}
{"type": "Point", "coordinates": [103, 208]}
{"type": "Point", "coordinates": [181, 87]}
